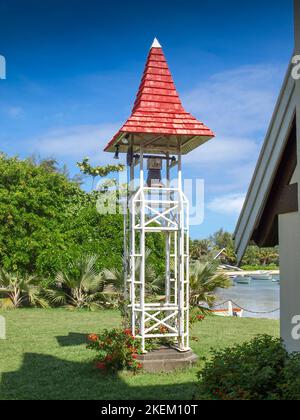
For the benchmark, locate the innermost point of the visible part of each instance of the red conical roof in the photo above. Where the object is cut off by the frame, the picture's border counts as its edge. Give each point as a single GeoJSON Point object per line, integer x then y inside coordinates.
{"type": "Point", "coordinates": [158, 116]}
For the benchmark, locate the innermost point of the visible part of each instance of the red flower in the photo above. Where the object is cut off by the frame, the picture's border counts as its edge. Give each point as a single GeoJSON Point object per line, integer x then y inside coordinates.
{"type": "Point", "coordinates": [108, 358]}
{"type": "Point", "coordinates": [93, 337]}
{"type": "Point", "coordinates": [200, 317]}
{"type": "Point", "coordinates": [134, 356]}
{"type": "Point", "coordinates": [139, 366]}
{"type": "Point", "coordinates": [101, 365]}
{"type": "Point", "coordinates": [163, 330]}
{"type": "Point", "coordinates": [128, 333]}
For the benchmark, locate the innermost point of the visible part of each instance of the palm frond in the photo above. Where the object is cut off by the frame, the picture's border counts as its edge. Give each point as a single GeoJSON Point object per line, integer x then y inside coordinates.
{"type": "Point", "coordinates": [204, 280]}
{"type": "Point", "coordinates": [56, 296]}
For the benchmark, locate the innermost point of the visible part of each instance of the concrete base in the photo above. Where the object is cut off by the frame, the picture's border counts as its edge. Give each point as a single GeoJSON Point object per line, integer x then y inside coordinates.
{"type": "Point", "coordinates": [167, 359]}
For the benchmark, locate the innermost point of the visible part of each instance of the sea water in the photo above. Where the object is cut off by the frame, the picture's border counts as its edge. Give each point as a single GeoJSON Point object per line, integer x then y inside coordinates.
{"type": "Point", "coordinates": [259, 296]}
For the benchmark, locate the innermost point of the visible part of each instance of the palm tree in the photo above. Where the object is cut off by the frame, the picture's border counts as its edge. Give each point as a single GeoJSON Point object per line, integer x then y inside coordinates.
{"type": "Point", "coordinates": [20, 290]}
{"type": "Point", "coordinates": [200, 248]}
{"type": "Point", "coordinates": [115, 280]}
{"type": "Point", "coordinates": [116, 277]}
{"type": "Point", "coordinates": [230, 255]}
{"type": "Point", "coordinates": [204, 280]}
{"type": "Point", "coordinates": [267, 256]}
{"type": "Point", "coordinates": [82, 287]}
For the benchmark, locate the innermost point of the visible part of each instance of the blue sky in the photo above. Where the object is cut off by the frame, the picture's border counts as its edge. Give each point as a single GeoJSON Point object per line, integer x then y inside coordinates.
{"type": "Point", "coordinates": [73, 69]}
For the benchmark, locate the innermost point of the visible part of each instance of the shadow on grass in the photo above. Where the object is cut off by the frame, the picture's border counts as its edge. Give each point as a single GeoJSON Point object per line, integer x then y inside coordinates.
{"type": "Point", "coordinates": [44, 377]}
{"type": "Point", "coordinates": [73, 339]}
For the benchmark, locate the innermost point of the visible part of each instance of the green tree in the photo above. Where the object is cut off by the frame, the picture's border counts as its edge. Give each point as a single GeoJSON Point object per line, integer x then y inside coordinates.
{"type": "Point", "coordinates": [251, 256]}
{"type": "Point", "coordinates": [47, 221]}
{"type": "Point", "coordinates": [230, 255]}
{"type": "Point", "coordinates": [268, 256]}
{"type": "Point", "coordinates": [98, 171]}
{"type": "Point", "coordinates": [200, 248]}
{"type": "Point", "coordinates": [256, 256]}
{"type": "Point", "coordinates": [222, 239]}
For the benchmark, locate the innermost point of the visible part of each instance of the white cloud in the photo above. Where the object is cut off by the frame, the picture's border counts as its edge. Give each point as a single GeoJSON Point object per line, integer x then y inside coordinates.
{"type": "Point", "coordinates": [224, 150]}
{"type": "Point", "coordinates": [237, 105]}
{"type": "Point", "coordinates": [76, 142]}
{"type": "Point", "coordinates": [237, 102]}
{"type": "Point", "coordinates": [230, 204]}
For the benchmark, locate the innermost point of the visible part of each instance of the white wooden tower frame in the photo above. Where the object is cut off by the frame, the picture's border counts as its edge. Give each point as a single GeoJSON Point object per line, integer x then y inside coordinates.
{"type": "Point", "coordinates": [161, 210]}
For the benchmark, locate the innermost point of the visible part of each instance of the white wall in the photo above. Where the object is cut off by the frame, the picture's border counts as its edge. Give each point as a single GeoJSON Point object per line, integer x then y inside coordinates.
{"type": "Point", "coordinates": [289, 240]}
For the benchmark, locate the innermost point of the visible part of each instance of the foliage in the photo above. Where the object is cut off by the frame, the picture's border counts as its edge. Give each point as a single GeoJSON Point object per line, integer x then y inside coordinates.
{"type": "Point", "coordinates": [80, 287]}
{"type": "Point", "coordinates": [255, 256]}
{"type": "Point", "coordinates": [205, 250]}
{"type": "Point", "coordinates": [116, 277]}
{"type": "Point", "coordinates": [101, 171]}
{"type": "Point", "coordinates": [200, 248]}
{"type": "Point", "coordinates": [196, 316]}
{"type": "Point", "coordinates": [258, 370]}
{"type": "Point", "coordinates": [20, 290]}
{"type": "Point", "coordinates": [271, 267]}
{"type": "Point", "coordinates": [230, 256]}
{"type": "Point", "coordinates": [290, 387]}
{"type": "Point", "coordinates": [204, 280]}
{"type": "Point", "coordinates": [222, 239]}
{"type": "Point", "coordinates": [117, 350]}
{"type": "Point", "coordinates": [94, 171]}
{"type": "Point", "coordinates": [47, 221]}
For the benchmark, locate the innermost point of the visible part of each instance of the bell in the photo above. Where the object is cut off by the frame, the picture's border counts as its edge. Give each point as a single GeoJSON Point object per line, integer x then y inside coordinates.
{"type": "Point", "coordinates": [154, 179]}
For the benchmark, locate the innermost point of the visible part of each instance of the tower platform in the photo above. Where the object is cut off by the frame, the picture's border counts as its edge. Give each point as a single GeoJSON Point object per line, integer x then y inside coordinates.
{"type": "Point", "coordinates": [167, 359]}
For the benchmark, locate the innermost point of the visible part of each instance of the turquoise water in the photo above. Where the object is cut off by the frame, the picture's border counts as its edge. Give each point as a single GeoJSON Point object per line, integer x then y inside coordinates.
{"type": "Point", "coordinates": [259, 296]}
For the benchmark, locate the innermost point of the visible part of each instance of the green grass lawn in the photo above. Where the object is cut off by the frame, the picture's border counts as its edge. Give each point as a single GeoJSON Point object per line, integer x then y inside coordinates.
{"type": "Point", "coordinates": [45, 357]}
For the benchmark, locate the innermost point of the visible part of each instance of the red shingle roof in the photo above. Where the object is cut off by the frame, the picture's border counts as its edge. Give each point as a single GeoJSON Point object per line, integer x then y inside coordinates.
{"type": "Point", "coordinates": [158, 109]}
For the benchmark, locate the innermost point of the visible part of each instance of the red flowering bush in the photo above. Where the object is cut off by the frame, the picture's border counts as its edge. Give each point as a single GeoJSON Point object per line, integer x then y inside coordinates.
{"type": "Point", "coordinates": [117, 350]}
{"type": "Point", "coordinates": [196, 315]}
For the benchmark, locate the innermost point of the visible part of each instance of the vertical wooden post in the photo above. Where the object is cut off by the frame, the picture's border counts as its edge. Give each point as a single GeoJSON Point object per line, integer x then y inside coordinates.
{"type": "Point", "coordinates": [142, 251]}
{"type": "Point", "coordinates": [168, 238]}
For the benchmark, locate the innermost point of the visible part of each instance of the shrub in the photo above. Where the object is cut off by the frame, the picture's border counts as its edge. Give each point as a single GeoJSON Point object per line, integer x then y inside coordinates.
{"type": "Point", "coordinates": [117, 350]}
{"type": "Point", "coordinates": [290, 387]}
{"type": "Point", "coordinates": [250, 371]}
{"type": "Point", "coordinates": [47, 221]}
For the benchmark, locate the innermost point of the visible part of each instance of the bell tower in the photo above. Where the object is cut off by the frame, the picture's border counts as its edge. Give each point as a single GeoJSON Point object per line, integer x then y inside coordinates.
{"type": "Point", "coordinates": [155, 138]}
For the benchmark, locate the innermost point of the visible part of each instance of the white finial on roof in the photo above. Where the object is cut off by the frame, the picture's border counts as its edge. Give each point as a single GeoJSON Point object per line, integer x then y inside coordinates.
{"type": "Point", "coordinates": [155, 44]}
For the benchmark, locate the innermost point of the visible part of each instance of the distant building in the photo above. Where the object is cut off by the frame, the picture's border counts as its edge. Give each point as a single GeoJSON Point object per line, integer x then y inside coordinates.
{"type": "Point", "coordinates": [271, 212]}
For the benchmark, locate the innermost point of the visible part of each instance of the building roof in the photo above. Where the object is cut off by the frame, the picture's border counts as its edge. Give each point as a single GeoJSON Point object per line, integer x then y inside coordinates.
{"type": "Point", "coordinates": [158, 117]}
